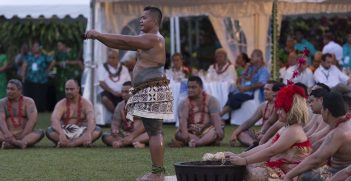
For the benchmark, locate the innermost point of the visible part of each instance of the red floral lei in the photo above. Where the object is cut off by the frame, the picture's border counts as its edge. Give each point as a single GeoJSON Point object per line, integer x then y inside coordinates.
{"type": "Point", "coordinates": [342, 120]}
{"type": "Point", "coordinates": [19, 116]}
{"type": "Point", "coordinates": [224, 69]}
{"type": "Point", "coordinates": [126, 124]}
{"type": "Point", "coordinates": [301, 61]}
{"type": "Point", "coordinates": [68, 111]}
{"type": "Point", "coordinates": [191, 112]}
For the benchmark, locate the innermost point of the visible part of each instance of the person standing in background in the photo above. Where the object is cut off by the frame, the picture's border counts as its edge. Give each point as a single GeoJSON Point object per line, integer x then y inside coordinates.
{"type": "Point", "coordinates": [3, 66]}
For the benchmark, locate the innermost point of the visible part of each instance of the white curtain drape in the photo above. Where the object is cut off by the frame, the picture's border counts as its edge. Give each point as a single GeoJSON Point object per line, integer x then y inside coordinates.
{"type": "Point", "coordinates": [253, 16]}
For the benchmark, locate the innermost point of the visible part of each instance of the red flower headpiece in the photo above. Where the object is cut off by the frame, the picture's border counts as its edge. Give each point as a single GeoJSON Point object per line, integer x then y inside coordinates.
{"type": "Point", "coordinates": [285, 96]}
{"type": "Point", "coordinates": [300, 61]}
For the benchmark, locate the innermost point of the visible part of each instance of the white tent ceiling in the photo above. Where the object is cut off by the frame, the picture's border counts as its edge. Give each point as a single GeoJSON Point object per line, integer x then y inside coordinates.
{"type": "Point", "coordinates": [46, 8]}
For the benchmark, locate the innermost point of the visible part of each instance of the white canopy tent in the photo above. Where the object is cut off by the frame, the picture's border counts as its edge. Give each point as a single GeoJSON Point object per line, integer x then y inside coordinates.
{"type": "Point", "coordinates": [254, 15]}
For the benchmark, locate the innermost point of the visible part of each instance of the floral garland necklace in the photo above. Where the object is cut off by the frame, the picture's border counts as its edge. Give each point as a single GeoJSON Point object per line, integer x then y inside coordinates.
{"type": "Point", "coordinates": [265, 117]}
{"type": "Point", "coordinates": [342, 120]}
{"type": "Point", "coordinates": [127, 125]}
{"type": "Point", "coordinates": [300, 62]}
{"type": "Point", "coordinates": [192, 106]}
{"type": "Point", "coordinates": [68, 111]}
{"type": "Point", "coordinates": [248, 76]}
{"type": "Point", "coordinates": [218, 71]}
{"type": "Point", "coordinates": [19, 115]}
{"type": "Point", "coordinates": [111, 75]}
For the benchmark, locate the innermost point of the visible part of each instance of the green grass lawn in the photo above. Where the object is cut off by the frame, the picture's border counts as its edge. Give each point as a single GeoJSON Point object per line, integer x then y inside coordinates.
{"type": "Point", "coordinates": [44, 162]}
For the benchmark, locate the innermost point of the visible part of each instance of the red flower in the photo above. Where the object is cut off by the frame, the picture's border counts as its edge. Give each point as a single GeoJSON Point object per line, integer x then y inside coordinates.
{"type": "Point", "coordinates": [285, 96]}
{"type": "Point", "coordinates": [306, 52]}
{"type": "Point", "coordinates": [290, 82]}
{"type": "Point", "coordinates": [295, 74]}
{"type": "Point", "coordinates": [301, 60]}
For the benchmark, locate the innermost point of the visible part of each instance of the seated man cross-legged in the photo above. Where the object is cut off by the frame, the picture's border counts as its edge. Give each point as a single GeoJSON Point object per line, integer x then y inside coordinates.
{"type": "Point", "coordinates": [73, 120]}
{"type": "Point", "coordinates": [244, 133]}
{"type": "Point", "coordinates": [18, 116]}
{"type": "Point", "coordinates": [125, 132]}
{"type": "Point", "coordinates": [200, 123]}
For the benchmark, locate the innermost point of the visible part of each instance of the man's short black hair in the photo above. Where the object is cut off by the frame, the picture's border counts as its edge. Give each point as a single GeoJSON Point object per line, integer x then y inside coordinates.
{"type": "Point", "coordinates": [302, 85]}
{"type": "Point", "coordinates": [75, 81]}
{"type": "Point", "coordinates": [127, 83]}
{"type": "Point", "coordinates": [277, 86]}
{"type": "Point", "coordinates": [17, 83]}
{"type": "Point", "coordinates": [318, 93]}
{"type": "Point", "coordinates": [156, 12]}
{"type": "Point", "coordinates": [196, 79]}
{"type": "Point", "coordinates": [334, 102]}
{"type": "Point", "coordinates": [324, 56]}
{"type": "Point", "coordinates": [324, 86]}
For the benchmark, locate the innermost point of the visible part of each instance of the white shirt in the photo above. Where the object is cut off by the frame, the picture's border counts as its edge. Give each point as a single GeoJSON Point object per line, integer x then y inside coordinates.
{"type": "Point", "coordinates": [227, 74]}
{"type": "Point", "coordinates": [129, 55]}
{"type": "Point", "coordinates": [305, 77]}
{"type": "Point", "coordinates": [330, 77]}
{"type": "Point", "coordinates": [116, 83]}
{"type": "Point", "coordinates": [333, 48]}
{"type": "Point", "coordinates": [176, 75]}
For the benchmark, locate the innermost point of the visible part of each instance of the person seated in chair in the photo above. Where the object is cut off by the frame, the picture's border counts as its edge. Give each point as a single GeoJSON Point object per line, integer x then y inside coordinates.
{"type": "Point", "coordinates": [73, 121]}
{"type": "Point", "coordinates": [222, 70]}
{"type": "Point", "coordinates": [200, 123]}
{"type": "Point", "coordinates": [18, 116]}
{"type": "Point", "coordinates": [243, 133]}
{"type": "Point", "coordinates": [125, 132]}
{"type": "Point", "coordinates": [288, 147]}
{"type": "Point", "coordinates": [253, 78]}
{"type": "Point", "coordinates": [111, 77]}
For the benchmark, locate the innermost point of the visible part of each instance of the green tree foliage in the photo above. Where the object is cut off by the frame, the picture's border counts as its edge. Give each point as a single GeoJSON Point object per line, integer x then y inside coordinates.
{"type": "Point", "coordinates": [16, 31]}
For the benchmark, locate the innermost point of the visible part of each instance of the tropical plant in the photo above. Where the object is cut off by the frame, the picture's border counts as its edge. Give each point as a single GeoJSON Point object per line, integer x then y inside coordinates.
{"type": "Point", "coordinates": [16, 31]}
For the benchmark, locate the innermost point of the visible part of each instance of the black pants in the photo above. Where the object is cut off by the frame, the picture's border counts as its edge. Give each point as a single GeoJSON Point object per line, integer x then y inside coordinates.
{"type": "Point", "coordinates": [236, 100]}
{"type": "Point", "coordinates": [38, 92]}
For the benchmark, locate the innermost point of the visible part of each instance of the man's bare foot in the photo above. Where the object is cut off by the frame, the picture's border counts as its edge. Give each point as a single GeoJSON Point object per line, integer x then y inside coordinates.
{"type": "Point", "coordinates": [117, 144]}
{"type": "Point", "coordinates": [138, 145]}
{"type": "Point", "coordinates": [176, 144]}
{"type": "Point", "coordinates": [22, 144]}
{"type": "Point", "coordinates": [6, 145]}
{"type": "Point", "coordinates": [192, 143]}
{"type": "Point", "coordinates": [152, 177]}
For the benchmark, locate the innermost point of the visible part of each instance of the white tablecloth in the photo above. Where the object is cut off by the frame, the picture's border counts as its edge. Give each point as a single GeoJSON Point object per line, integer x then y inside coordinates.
{"type": "Point", "coordinates": [219, 90]}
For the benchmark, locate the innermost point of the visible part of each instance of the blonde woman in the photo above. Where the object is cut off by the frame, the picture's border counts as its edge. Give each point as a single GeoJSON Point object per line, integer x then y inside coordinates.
{"type": "Point", "coordinates": [287, 148]}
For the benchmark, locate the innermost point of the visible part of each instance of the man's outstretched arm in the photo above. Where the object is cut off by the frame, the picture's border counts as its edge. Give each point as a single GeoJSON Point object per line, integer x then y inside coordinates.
{"type": "Point", "coordinates": [126, 42]}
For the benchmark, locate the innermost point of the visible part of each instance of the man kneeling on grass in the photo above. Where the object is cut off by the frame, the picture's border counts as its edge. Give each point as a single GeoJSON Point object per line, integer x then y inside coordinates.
{"type": "Point", "coordinates": [125, 132]}
{"type": "Point", "coordinates": [18, 116]}
{"type": "Point", "coordinates": [73, 120]}
{"type": "Point", "coordinates": [200, 123]}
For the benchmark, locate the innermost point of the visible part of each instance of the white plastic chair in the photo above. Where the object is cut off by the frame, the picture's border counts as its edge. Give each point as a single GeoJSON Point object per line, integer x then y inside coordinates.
{"type": "Point", "coordinates": [246, 110]}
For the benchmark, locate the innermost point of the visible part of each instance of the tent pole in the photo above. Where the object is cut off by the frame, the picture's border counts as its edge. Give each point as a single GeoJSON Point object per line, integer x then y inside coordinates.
{"type": "Point", "coordinates": [172, 36]}
{"type": "Point", "coordinates": [92, 78]}
{"type": "Point", "coordinates": [177, 34]}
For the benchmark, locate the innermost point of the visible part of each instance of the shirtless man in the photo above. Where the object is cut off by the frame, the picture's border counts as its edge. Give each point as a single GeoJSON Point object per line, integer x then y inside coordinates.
{"type": "Point", "coordinates": [152, 97]}
{"type": "Point", "coordinates": [18, 116]}
{"type": "Point", "coordinates": [73, 121]}
{"type": "Point", "coordinates": [123, 131]}
{"type": "Point", "coordinates": [320, 129]}
{"type": "Point", "coordinates": [199, 119]}
{"type": "Point", "coordinates": [336, 147]}
{"type": "Point", "coordinates": [264, 112]}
